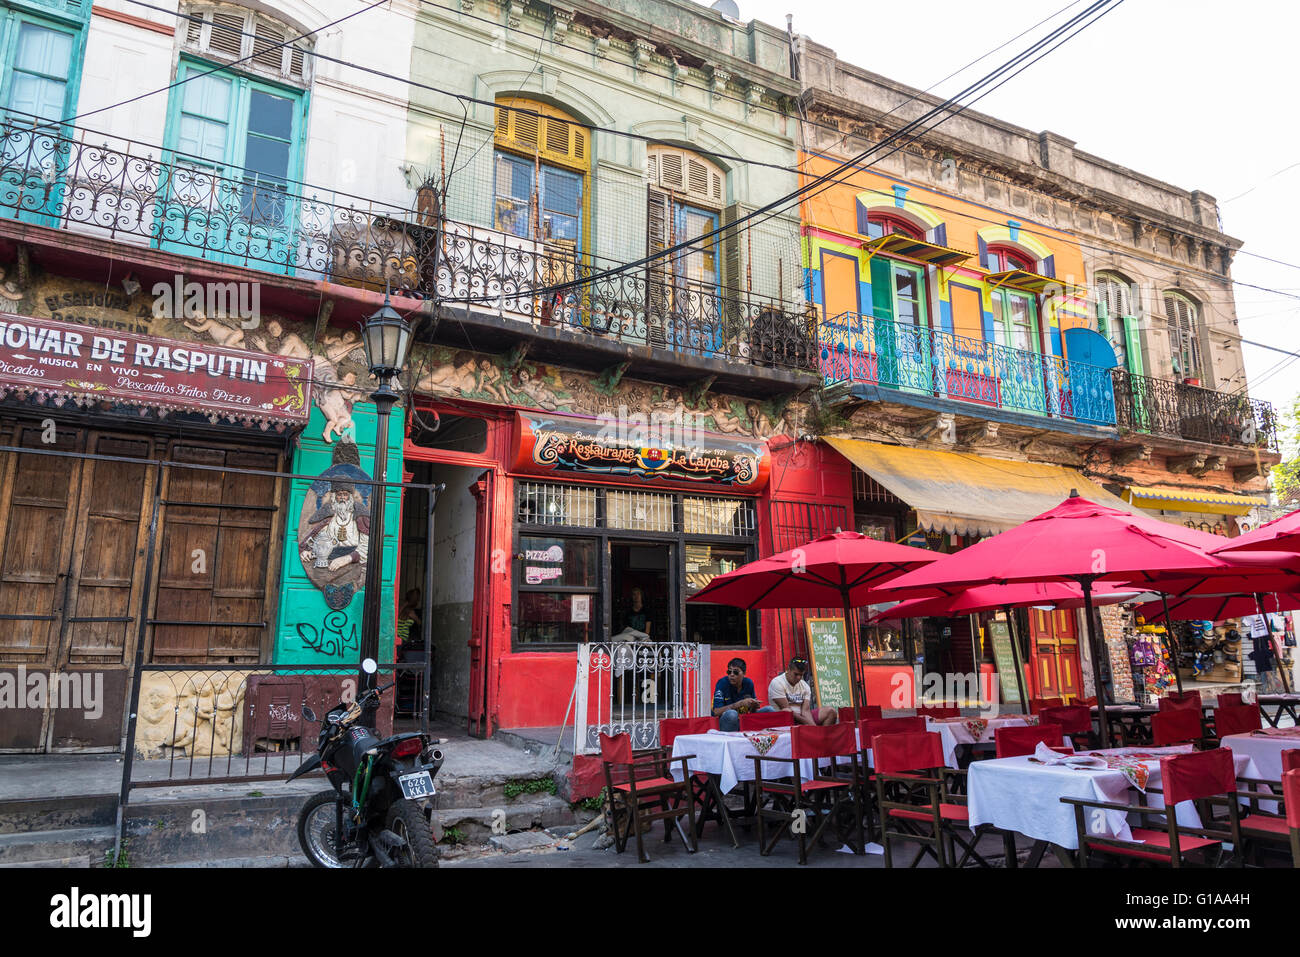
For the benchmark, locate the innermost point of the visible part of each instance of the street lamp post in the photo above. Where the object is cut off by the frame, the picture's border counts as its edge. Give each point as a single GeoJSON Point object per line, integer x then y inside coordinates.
{"type": "Point", "coordinates": [386, 337]}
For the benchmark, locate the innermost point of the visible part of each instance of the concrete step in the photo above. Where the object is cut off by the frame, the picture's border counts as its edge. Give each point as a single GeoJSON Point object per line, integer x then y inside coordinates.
{"type": "Point", "coordinates": [474, 825]}
{"type": "Point", "coordinates": [19, 815]}
{"type": "Point", "coordinates": [45, 848]}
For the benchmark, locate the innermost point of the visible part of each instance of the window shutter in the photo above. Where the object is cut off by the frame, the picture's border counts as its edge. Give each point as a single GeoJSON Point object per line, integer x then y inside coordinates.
{"type": "Point", "coordinates": [940, 234]}
{"type": "Point", "coordinates": [227, 34]}
{"type": "Point", "coordinates": [193, 31]}
{"type": "Point", "coordinates": [671, 171]}
{"type": "Point", "coordinates": [1133, 344]}
{"type": "Point", "coordinates": [734, 285]}
{"type": "Point", "coordinates": [658, 235]}
{"type": "Point", "coordinates": [537, 130]}
{"type": "Point", "coordinates": [882, 288]}
{"type": "Point", "coordinates": [983, 251]}
{"type": "Point", "coordinates": [267, 51]}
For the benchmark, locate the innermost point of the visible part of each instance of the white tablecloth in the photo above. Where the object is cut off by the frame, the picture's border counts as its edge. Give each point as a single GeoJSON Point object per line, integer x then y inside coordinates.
{"type": "Point", "coordinates": [726, 754]}
{"type": "Point", "coordinates": [955, 731]}
{"type": "Point", "coordinates": [1016, 795]}
{"type": "Point", "coordinates": [1264, 750]}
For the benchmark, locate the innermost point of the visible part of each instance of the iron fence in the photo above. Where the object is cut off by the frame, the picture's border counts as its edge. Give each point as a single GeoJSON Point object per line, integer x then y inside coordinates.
{"type": "Point", "coordinates": [630, 686]}
{"type": "Point", "coordinates": [1163, 407]}
{"type": "Point", "coordinates": [857, 348]}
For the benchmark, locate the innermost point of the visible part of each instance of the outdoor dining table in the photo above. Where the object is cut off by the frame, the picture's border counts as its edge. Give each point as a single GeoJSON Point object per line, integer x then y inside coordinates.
{"type": "Point", "coordinates": [1020, 794]}
{"type": "Point", "coordinates": [955, 732]}
{"type": "Point", "coordinates": [1264, 748]}
{"type": "Point", "coordinates": [1281, 704]}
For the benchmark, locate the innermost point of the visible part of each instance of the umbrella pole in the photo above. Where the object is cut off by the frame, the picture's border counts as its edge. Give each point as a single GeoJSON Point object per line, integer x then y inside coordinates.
{"type": "Point", "coordinates": [855, 664]}
{"type": "Point", "coordinates": [1168, 642]}
{"type": "Point", "coordinates": [1286, 679]}
{"type": "Point", "coordinates": [1015, 658]}
{"type": "Point", "coordinates": [1102, 723]}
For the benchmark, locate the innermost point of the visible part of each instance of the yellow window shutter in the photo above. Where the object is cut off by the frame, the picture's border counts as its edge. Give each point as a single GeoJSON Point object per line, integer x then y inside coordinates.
{"type": "Point", "coordinates": [539, 130]}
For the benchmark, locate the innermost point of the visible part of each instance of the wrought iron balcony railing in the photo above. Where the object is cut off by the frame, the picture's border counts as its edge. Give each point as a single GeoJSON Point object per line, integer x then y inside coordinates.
{"type": "Point", "coordinates": [54, 177]}
{"type": "Point", "coordinates": [1163, 407]}
{"type": "Point", "coordinates": [931, 362]}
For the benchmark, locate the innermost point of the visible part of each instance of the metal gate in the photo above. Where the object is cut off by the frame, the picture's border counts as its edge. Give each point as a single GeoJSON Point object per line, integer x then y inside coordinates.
{"type": "Point", "coordinates": [630, 686]}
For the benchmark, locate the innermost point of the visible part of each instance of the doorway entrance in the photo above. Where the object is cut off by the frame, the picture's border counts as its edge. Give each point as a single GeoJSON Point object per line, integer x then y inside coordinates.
{"type": "Point", "coordinates": [1054, 643]}
{"type": "Point", "coordinates": [642, 592]}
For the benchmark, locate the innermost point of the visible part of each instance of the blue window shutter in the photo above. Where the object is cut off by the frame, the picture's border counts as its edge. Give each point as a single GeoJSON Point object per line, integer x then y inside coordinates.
{"type": "Point", "coordinates": [983, 250]}
{"type": "Point", "coordinates": [1048, 267]}
{"type": "Point", "coordinates": [988, 327]}
{"type": "Point", "coordinates": [862, 218]}
{"type": "Point", "coordinates": [941, 234]}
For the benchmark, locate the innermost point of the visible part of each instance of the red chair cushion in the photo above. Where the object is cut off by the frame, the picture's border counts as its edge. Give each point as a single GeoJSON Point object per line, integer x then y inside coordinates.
{"type": "Point", "coordinates": [822, 785]}
{"type": "Point", "coordinates": [949, 812]}
{"type": "Point", "coordinates": [1291, 794]}
{"type": "Point", "coordinates": [1265, 825]}
{"type": "Point", "coordinates": [1177, 726]}
{"type": "Point", "coordinates": [616, 749]}
{"type": "Point", "coordinates": [867, 712]}
{"type": "Point", "coordinates": [891, 753]}
{"type": "Point", "coordinates": [1017, 741]}
{"type": "Point", "coordinates": [1201, 774]}
{"type": "Point", "coordinates": [670, 728]}
{"type": "Point", "coordinates": [812, 741]}
{"type": "Point", "coordinates": [767, 719]}
{"type": "Point", "coordinates": [1073, 719]}
{"type": "Point", "coordinates": [1151, 838]}
{"type": "Point", "coordinates": [1237, 719]}
{"type": "Point", "coordinates": [891, 726]}
{"type": "Point", "coordinates": [1177, 702]}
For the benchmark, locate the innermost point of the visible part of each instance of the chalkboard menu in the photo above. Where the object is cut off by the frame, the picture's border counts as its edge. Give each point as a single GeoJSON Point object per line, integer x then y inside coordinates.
{"type": "Point", "coordinates": [1000, 631]}
{"type": "Point", "coordinates": [828, 647]}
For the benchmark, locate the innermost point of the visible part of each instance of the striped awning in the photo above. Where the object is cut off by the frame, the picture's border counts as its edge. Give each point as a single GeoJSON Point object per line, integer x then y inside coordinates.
{"type": "Point", "coordinates": [1026, 281]}
{"type": "Point", "coordinates": [900, 245]}
{"type": "Point", "coordinates": [1192, 500]}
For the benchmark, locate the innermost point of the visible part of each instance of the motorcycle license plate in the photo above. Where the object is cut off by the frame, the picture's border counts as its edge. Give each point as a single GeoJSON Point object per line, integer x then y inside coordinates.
{"type": "Point", "coordinates": [417, 785]}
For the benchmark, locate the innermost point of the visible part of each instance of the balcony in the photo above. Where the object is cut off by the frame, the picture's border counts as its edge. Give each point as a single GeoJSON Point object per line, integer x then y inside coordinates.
{"type": "Point", "coordinates": [1172, 409]}
{"type": "Point", "coordinates": [934, 363]}
{"type": "Point", "coordinates": [58, 178]}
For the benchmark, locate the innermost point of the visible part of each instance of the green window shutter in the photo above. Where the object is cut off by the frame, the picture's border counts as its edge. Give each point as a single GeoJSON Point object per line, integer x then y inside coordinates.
{"type": "Point", "coordinates": [1133, 343]}
{"type": "Point", "coordinates": [882, 288]}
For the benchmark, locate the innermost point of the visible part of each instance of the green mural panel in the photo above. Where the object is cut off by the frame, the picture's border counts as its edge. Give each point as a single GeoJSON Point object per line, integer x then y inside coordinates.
{"type": "Point", "coordinates": [319, 620]}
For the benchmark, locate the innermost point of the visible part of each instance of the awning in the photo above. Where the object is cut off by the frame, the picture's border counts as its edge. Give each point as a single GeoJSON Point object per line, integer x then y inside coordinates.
{"type": "Point", "coordinates": [901, 245]}
{"type": "Point", "coordinates": [1192, 500]}
{"type": "Point", "coordinates": [1026, 281]}
{"type": "Point", "coordinates": [969, 494]}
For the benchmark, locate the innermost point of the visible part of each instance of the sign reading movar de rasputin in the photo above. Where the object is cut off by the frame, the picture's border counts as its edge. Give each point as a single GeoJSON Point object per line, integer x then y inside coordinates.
{"type": "Point", "coordinates": [51, 358]}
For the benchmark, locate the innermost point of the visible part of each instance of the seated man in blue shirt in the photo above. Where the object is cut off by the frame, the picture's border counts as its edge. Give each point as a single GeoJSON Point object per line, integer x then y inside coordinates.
{"type": "Point", "coordinates": [734, 696]}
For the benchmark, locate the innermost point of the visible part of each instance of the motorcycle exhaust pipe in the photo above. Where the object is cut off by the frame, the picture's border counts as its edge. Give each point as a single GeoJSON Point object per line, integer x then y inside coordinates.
{"type": "Point", "coordinates": [436, 755]}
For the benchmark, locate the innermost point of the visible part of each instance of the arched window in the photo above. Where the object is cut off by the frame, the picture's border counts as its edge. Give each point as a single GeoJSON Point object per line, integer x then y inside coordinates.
{"type": "Point", "coordinates": [229, 32]}
{"type": "Point", "coordinates": [1184, 340]}
{"type": "Point", "coordinates": [1117, 320]}
{"type": "Point", "coordinates": [1002, 258]}
{"type": "Point", "coordinates": [684, 200]}
{"type": "Point", "coordinates": [883, 224]}
{"type": "Point", "coordinates": [540, 172]}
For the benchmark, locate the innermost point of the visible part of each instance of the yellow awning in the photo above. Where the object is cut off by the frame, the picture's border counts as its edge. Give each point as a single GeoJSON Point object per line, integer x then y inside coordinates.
{"type": "Point", "coordinates": [1026, 281]}
{"type": "Point", "coordinates": [1192, 500]}
{"type": "Point", "coordinates": [901, 245]}
{"type": "Point", "coordinates": [969, 494]}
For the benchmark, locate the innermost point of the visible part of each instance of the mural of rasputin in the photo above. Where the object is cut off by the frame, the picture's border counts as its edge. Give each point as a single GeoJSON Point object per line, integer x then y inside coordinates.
{"type": "Point", "coordinates": [334, 528]}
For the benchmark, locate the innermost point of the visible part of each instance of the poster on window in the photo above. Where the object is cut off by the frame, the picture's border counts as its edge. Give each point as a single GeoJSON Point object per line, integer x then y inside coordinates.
{"type": "Point", "coordinates": [581, 605]}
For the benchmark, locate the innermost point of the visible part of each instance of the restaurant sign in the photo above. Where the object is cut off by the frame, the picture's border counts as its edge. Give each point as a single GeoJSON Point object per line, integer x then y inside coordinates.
{"type": "Point", "coordinates": [55, 359]}
{"type": "Point", "coordinates": [551, 444]}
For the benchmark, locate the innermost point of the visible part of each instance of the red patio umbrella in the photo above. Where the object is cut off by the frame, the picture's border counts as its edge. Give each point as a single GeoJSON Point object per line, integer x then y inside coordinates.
{"type": "Point", "coordinates": [990, 597]}
{"type": "Point", "coordinates": [1281, 534]}
{"type": "Point", "coordinates": [1218, 607]}
{"type": "Point", "coordinates": [843, 569]}
{"type": "Point", "coordinates": [1077, 541]}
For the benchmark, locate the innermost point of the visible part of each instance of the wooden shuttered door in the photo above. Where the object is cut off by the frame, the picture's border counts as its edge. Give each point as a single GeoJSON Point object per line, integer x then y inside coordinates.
{"type": "Point", "coordinates": [659, 236]}
{"type": "Point", "coordinates": [1180, 313]}
{"type": "Point", "coordinates": [218, 543]}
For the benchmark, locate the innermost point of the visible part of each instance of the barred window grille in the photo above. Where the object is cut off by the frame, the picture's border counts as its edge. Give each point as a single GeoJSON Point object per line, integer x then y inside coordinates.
{"type": "Point", "coordinates": [718, 516]}
{"type": "Point", "coordinates": [640, 511]}
{"type": "Point", "coordinates": [541, 503]}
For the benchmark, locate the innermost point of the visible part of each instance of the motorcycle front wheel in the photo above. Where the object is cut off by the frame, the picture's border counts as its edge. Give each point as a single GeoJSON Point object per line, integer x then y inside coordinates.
{"type": "Point", "coordinates": [316, 826]}
{"type": "Point", "coordinates": [407, 821]}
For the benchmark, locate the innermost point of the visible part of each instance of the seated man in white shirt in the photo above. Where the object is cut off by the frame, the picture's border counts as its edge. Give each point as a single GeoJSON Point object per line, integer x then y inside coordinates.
{"type": "Point", "coordinates": [789, 692]}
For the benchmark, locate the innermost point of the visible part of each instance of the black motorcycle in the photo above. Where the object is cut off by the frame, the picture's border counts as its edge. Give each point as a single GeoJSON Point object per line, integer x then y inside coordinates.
{"type": "Point", "coordinates": [377, 811]}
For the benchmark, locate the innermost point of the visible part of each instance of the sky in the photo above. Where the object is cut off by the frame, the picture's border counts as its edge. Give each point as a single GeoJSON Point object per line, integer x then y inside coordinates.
{"type": "Point", "coordinates": [1193, 93]}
